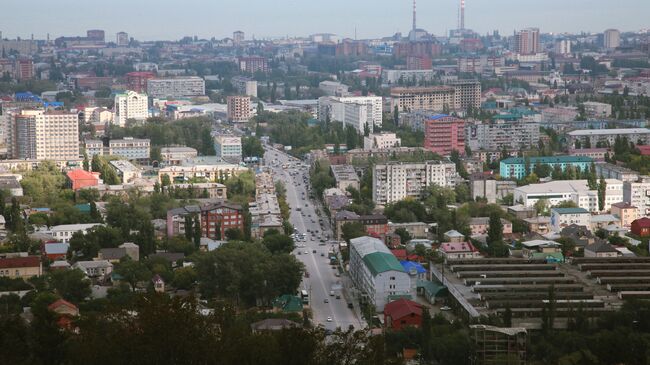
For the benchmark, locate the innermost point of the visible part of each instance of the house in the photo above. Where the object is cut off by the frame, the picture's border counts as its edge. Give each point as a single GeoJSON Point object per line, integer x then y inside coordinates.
{"type": "Point", "coordinates": [172, 257]}
{"type": "Point", "coordinates": [78, 179]}
{"type": "Point", "coordinates": [601, 249]}
{"type": "Point", "coordinates": [54, 251]}
{"type": "Point", "coordinates": [64, 232]}
{"type": "Point", "coordinates": [550, 251]}
{"type": "Point", "coordinates": [288, 304]}
{"type": "Point", "coordinates": [158, 284]}
{"type": "Point", "coordinates": [479, 226]}
{"type": "Point", "coordinates": [93, 269]}
{"type": "Point", "coordinates": [376, 273]}
{"type": "Point", "coordinates": [60, 265]}
{"type": "Point", "coordinates": [641, 227]}
{"type": "Point", "coordinates": [580, 235]}
{"type": "Point", "coordinates": [63, 307]}
{"type": "Point", "coordinates": [539, 224]}
{"type": "Point", "coordinates": [626, 213]}
{"type": "Point", "coordinates": [273, 324]}
{"type": "Point", "coordinates": [375, 224]}
{"type": "Point", "coordinates": [602, 221]}
{"type": "Point", "coordinates": [458, 250]}
{"type": "Point", "coordinates": [454, 236]}
{"type": "Point", "coordinates": [23, 267]}
{"type": "Point", "coordinates": [562, 217]}
{"type": "Point", "coordinates": [112, 254]}
{"type": "Point", "coordinates": [401, 313]}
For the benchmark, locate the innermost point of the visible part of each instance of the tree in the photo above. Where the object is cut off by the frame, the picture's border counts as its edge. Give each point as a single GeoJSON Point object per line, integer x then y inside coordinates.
{"type": "Point", "coordinates": [353, 230]}
{"type": "Point", "coordinates": [602, 190]}
{"type": "Point", "coordinates": [132, 272]}
{"type": "Point", "coordinates": [541, 207]}
{"type": "Point", "coordinates": [234, 234]}
{"type": "Point", "coordinates": [196, 235]}
{"type": "Point", "coordinates": [403, 234]}
{"type": "Point", "coordinates": [495, 229]}
{"type": "Point", "coordinates": [71, 285]}
{"type": "Point", "coordinates": [189, 232]}
{"type": "Point", "coordinates": [278, 243]}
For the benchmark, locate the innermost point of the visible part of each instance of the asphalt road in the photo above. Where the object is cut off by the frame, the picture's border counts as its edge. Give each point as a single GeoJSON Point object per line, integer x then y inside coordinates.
{"type": "Point", "coordinates": [322, 279]}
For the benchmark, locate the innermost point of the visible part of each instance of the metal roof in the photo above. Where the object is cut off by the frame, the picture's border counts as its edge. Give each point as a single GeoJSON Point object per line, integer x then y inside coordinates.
{"type": "Point", "coordinates": [380, 262]}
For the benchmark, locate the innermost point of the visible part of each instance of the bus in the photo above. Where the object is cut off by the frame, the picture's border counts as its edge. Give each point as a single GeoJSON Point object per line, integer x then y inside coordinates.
{"type": "Point", "coordinates": [304, 296]}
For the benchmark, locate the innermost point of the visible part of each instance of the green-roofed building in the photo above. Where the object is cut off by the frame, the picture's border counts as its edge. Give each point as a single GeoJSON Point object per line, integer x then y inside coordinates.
{"type": "Point", "coordinates": [376, 272]}
{"type": "Point", "coordinates": [515, 167]}
{"type": "Point", "coordinates": [288, 303]}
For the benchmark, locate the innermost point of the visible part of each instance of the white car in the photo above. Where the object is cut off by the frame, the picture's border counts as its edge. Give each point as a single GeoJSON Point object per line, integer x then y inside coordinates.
{"type": "Point", "coordinates": [329, 319]}
{"type": "Point", "coordinates": [445, 308]}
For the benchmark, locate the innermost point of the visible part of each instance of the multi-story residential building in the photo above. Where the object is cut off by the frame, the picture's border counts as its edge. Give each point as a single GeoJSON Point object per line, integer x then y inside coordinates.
{"type": "Point", "coordinates": [126, 170]}
{"type": "Point", "coordinates": [444, 134]}
{"type": "Point", "coordinates": [468, 93]}
{"type": "Point", "coordinates": [122, 39]}
{"type": "Point", "coordinates": [20, 267]}
{"type": "Point", "coordinates": [131, 105]}
{"type": "Point", "coordinates": [176, 87]}
{"type": "Point", "coordinates": [419, 63]}
{"type": "Point", "coordinates": [611, 38]}
{"type": "Point", "coordinates": [333, 88]}
{"type": "Point", "coordinates": [210, 168]}
{"type": "Point", "coordinates": [479, 226]}
{"type": "Point", "coordinates": [392, 77]}
{"type": "Point", "coordinates": [375, 225]}
{"type": "Point", "coordinates": [479, 64]}
{"type": "Point", "coordinates": [43, 135]}
{"type": "Point", "coordinates": [611, 171]}
{"type": "Point", "coordinates": [458, 95]}
{"type": "Point", "coordinates": [129, 148]}
{"type": "Point", "coordinates": [577, 191]}
{"type": "Point", "coordinates": [228, 146]}
{"type": "Point", "coordinates": [626, 212]}
{"type": "Point", "coordinates": [638, 194]}
{"type": "Point", "coordinates": [598, 154]}
{"type": "Point", "coordinates": [345, 177]}
{"type": "Point", "coordinates": [516, 167]}
{"type": "Point", "coordinates": [527, 41]}
{"type": "Point", "coordinates": [64, 232]}
{"type": "Point", "coordinates": [244, 85]}
{"type": "Point", "coordinates": [381, 140]}
{"type": "Point", "coordinates": [215, 219]}
{"type": "Point", "coordinates": [24, 69]}
{"type": "Point", "coordinates": [376, 272]}
{"type": "Point", "coordinates": [394, 181]}
{"type": "Point", "coordinates": [500, 134]}
{"type": "Point", "coordinates": [562, 47]}
{"type": "Point", "coordinates": [175, 155]}
{"type": "Point", "coordinates": [254, 64]}
{"type": "Point", "coordinates": [360, 112]}
{"type": "Point", "coordinates": [239, 108]}
{"type": "Point", "coordinates": [597, 110]}
{"type": "Point", "coordinates": [563, 217]}
{"type": "Point", "coordinates": [489, 188]}
{"type": "Point", "coordinates": [137, 80]}
{"type": "Point", "coordinates": [608, 136]}
{"type": "Point", "coordinates": [238, 37]}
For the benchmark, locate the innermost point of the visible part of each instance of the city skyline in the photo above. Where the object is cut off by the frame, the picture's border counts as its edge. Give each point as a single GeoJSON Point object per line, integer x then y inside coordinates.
{"type": "Point", "coordinates": [369, 19]}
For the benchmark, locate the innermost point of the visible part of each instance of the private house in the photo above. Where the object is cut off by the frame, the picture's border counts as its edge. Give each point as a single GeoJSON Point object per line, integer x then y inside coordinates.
{"type": "Point", "coordinates": [602, 250]}
{"type": "Point", "coordinates": [78, 179]}
{"type": "Point", "coordinates": [641, 227]}
{"type": "Point", "coordinates": [54, 251]}
{"type": "Point", "coordinates": [479, 226]}
{"type": "Point", "coordinates": [273, 324]}
{"type": "Point", "coordinates": [23, 267]}
{"type": "Point", "coordinates": [94, 269]}
{"type": "Point", "coordinates": [562, 217]}
{"type": "Point", "coordinates": [401, 313]}
{"type": "Point", "coordinates": [458, 250]}
{"type": "Point", "coordinates": [625, 212]}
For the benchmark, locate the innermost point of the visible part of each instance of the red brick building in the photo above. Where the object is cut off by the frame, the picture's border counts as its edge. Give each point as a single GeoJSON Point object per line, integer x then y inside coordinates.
{"type": "Point", "coordinates": [402, 313]}
{"type": "Point", "coordinates": [419, 63]}
{"type": "Point", "coordinates": [444, 133]}
{"type": "Point", "coordinates": [79, 178]}
{"type": "Point", "coordinates": [641, 227]}
{"type": "Point", "coordinates": [254, 64]}
{"type": "Point", "coordinates": [137, 81]}
{"type": "Point", "coordinates": [217, 218]}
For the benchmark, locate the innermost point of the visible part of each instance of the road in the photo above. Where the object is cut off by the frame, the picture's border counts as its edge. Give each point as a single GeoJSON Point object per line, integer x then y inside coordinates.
{"type": "Point", "coordinates": [305, 219]}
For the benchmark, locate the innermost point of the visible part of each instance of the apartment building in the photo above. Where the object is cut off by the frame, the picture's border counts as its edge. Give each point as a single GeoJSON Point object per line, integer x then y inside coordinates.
{"type": "Point", "coordinates": [500, 134]}
{"type": "Point", "coordinates": [345, 177]}
{"type": "Point", "coordinates": [637, 193]}
{"type": "Point", "coordinates": [577, 191]}
{"type": "Point", "coordinates": [244, 86]}
{"type": "Point", "coordinates": [239, 108]}
{"type": "Point", "coordinates": [608, 136]}
{"type": "Point", "coordinates": [131, 105]}
{"type": "Point", "coordinates": [597, 110]}
{"type": "Point", "coordinates": [210, 168]}
{"type": "Point", "coordinates": [360, 112]}
{"type": "Point", "coordinates": [43, 135]}
{"type": "Point", "coordinates": [254, 64]}
{"type": "Point", "coordinates": [516, 167]}
{"type": "Point", "coordinates": [174, 155]}
{"type": "Point", "coordinates": [527, 41]}
{"type": "Point", "coordinates": [444, 134]}
{"type": "Point", "coordinates": [381, 140]}
{"type": "Point", "coordinates": [128, 148]}
{"type": "Point", "coordinates": [436, 98]}
{"type": "Point", "coordinates": [468, 93]}
{"type": "Point", "coordinates": [228, 146]}
{"type": "Point", "coordinates": [394, 181]}
{"type": "Point", "coordinates": [176, 87]}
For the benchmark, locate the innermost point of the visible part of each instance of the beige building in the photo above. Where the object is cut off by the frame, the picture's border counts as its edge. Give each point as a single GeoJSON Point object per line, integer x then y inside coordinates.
{"type": "Point", "coordinates": [210, 169]}
{"type": "Point", "coordinates": [458, 95]}
{"type": "Point", "coordinates": [239, 108]}
{"type": "Point", "coordinates": [23, 267]}
{"type": "Point", "coordinates": [626, 212]}
{"type": "Point", "coordinates": [43, 135]}
{"type": "Point", "coordinates": [479, 226]}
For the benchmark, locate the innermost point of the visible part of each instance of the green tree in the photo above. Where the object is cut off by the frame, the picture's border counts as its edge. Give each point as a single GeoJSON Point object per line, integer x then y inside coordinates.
{"type": "Point", "coordinates": [495, 229]}
{"type": "Point", "coordinates": [71, 285]}
{"type": "Point", "coordinates": [132, 272]}
{"type": "Point", "coordinates": [278, 243]}
{"type": "Point", "coordinates": [403, 234]}
{"type": "Point", "coordinates": [602, 191]}
{"type": "Point", "coordinates": [352, 230]}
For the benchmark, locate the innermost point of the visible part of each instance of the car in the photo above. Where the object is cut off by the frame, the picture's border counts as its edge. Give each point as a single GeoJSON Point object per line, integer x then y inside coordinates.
{"type": "Point", "coordinates": [326, 300]}
{"type": "Point", "coordinates": [337, 274]}
{"type": "Point", "coordinates": [331, 293]}
{"type": "Point", "coordinates": [445, 308]}
{"type": "Point", "coordinates": [338, 297]}
{"type": "Point", "coordinates": [306, 252]}
{"type": "Point", "coordinates": [314, 251]}
{"type": "Point", "coordinates": [322, 254]}
{"type": "Point", "coordinates": [350, 305]}
{"type": "Point", "coordinates": [329, 319]}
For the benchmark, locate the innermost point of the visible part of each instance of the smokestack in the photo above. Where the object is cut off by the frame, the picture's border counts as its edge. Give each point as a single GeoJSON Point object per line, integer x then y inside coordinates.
{"type": "Point", "coordinates": [414, 16]}
{"type": "Point", "coordinates": [462, 14]}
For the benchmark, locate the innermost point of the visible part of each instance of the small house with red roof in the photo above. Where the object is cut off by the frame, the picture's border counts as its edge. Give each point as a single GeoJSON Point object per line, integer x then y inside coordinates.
{"type": "Point", "coordinates": [66, 311]}
{"type": "Point", "coordinates": [641, 227]}
{"type": "Point", "coordinates": [79, 178]}
{"type": "Point", "coordinates": [458, 250]}
{"type": "Point", "coordinates": [401, 313]}
{"type": "Point", "coordinates": [645, 150]}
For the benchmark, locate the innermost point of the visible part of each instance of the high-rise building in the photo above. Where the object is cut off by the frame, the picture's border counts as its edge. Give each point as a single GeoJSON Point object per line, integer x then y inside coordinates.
{"type": "Point", "coordinates": [611, 38]}
{"type": "Point", "coordinates": [130, 105]}
{"type": "Point", "coordinates": [497, 135]}
{"type": "Point", "coordinates": [419, 63]}
{"type": "Point", "coordinates": [239, 108]}
{"type": "Point", "coordinates": [137, 81]}
{"type": "Point", "coordinates": [563, 47]}
{"type": "Point", "coordinates": [254, 64]}
{"type": "Point", "coordinates": [468, 93]}
{"type": "Point", "coordinates": [238, 37]}
{"type": "Point", "coordinates": [24, 69]}
{"type": "Point", "coordinates": [527, 41]}
{"type": "Point", "coordinates": [176, 87]}
{"type": "Point", "coordinates": [43, 135]}
{"type": "Point", "coordinates": [96, 35]}
{"type": "Point", "coordinates": [455, 96]}
{"type": "Point", "coordinates": [394, 181]}
{"type": "Point", "coordinates": [360, 112]}
{"type": "Point", "coordinates": [444, 134]}
{"type": "Point", "coordinates": [244, 85]}
{"type": "Point", "coordinates": [122, 39]}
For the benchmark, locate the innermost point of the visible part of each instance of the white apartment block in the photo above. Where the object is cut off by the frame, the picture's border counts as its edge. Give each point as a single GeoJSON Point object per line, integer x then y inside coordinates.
{"type": "Point", "coordinates": [175, 155]}
{"type": "Point", "coordinates": [381, 140]}
{"type": "Point", "coordinates": [563, 217]}
{"type": "Point", "coordinates": [495, 135]}
{"type": "Point", "coordinates": [577, 191]}
{"type": "Point", "coordinates": [244, 85]}
{"type": "Point", "coordinates": [376, 272]}
{"type": "Point", "coordinates": [64, 232]}
{"type": "Point", "coordinates": [357, 111]}
{"type": "Point", "coordinates": [457, 95]}
{"type": "Point", "coordinates": [635, 135]}
{"type": "Point", "coordinates": [597, 110]}
{"type": "Point", "coordinates": [41, 135]}
{"type": "Point", "coordinates": [333, 88]}
{"type": "Point", "coordinates": [394, 76]}
{"type": "Point", "coordinates": [128, 148]}
{"type": "Point", "coordinates": [394, 181]}
{"type": "Point", "coordinates": [637, 194]}
{"type": "Point", "coordinates": [228, 146]}
{"type": "Point", "coordinates": [131, 105]}
{"type": "Point", "coordinates": [176, 87]}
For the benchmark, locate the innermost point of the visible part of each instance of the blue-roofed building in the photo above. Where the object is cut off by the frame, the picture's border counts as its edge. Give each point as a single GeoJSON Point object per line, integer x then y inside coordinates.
{"type": "Point", "coordinates": [414, 269]}
{"type": "Point", "coordinates": [515, 167]}
{"type": "Point", "coordinates": [27, 96]}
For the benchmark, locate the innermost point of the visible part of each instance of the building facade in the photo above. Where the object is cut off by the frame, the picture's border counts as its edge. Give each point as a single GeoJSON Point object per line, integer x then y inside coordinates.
{"type": "Point", "coordinates": [360, 112]}
{"type": "Point", "coordinates": [131, 105]}
{"type": "Point", "coordinates": [517, 167]}
{"type": "Point", "coordinates": [577, 191]}
{"type": "Point", "coordinates": [43, 135]}
{"type": "Point", "coordinates": [394, 181]}
{"type": "Point", "coordinates": [239, 108]}
{"type": "Point", "coordinates": [444, 134]}
{"type": "Point", "coordinates": [500, 134]}
{"type": "Point", "coordinates": [228, 146]}
{"type": "Point", "coordinates": [176, 87]}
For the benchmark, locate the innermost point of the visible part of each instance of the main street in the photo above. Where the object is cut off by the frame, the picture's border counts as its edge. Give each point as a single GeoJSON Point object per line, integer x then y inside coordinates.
{"type": "Point", "coordinates": [322, 278]}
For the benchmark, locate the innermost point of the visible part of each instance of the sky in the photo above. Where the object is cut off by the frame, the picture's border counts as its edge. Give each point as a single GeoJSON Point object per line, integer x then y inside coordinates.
{"type": "Point", "coordinates": [173, 19]}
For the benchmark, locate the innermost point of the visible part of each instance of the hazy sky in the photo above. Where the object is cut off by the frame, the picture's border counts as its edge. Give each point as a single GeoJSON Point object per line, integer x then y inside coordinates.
{"type": "Point", "coordinates": [172, 19]}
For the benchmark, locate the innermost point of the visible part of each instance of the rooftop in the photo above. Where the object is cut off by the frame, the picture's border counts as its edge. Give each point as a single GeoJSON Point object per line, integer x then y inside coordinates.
{"type": "Point", "coordinates": [607, 132]}
{"type": "Point", "coordinates": [379, 262]}
{"type": "Point", "coordinates": [570, 210]}
{"type": "Point", "coordinates": [547, 160]}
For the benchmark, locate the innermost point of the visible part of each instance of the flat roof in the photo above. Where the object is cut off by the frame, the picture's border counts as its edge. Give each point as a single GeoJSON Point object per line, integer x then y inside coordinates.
{"type": "Point", "coordinates": [601, 132]}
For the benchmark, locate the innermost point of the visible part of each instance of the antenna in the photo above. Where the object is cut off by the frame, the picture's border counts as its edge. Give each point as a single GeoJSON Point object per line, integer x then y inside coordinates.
{"type": "Point", "coordinates": [462, 14]}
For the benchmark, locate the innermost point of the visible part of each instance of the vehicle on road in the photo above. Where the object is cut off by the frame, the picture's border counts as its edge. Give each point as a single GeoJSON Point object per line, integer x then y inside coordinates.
{"type": "Point", "coordinates": [326, 300]}
{"type": "Point", "coordinates": [314, 251]}
{"type": "Point", "coordinates": [445, 308]}
{"type": "Point", "coordinates": [331, 293]}
{"type": "Point", "coordinates": [329, 319]}
{"type": "Point", "coordinates": [350, 305]}
{"type": "Point", "coordinates": [338, 297]}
